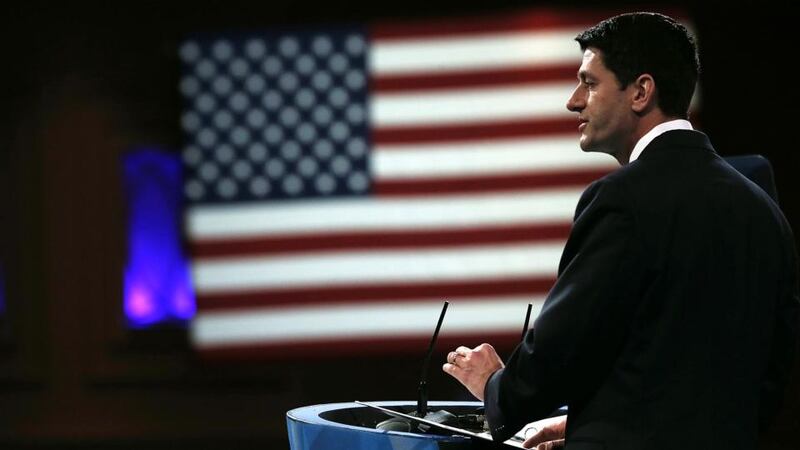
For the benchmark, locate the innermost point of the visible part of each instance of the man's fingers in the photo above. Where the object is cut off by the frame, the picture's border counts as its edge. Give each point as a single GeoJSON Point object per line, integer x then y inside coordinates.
{"type": "Point", "coordinates": [547, 445]}
{"type": "Point", "coordinates": [454, 370]}
{"type": "Point", "coordinates": [551, 445]}
{"type": "Point", "coordinates": [544, 436]}
{"type": "Point", "coordinates": [463, 351]}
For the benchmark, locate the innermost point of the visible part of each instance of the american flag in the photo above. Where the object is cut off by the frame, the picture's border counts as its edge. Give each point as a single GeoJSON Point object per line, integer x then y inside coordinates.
{"type": "Point", "coordinates": [343, 182]}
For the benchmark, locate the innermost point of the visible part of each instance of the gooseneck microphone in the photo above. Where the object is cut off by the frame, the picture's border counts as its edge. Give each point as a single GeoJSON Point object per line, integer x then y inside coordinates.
{"type": "Point", "coordinates": [422, 390]}
{"type": "Point", "coordinates": [527, 319]}
{"type": "Point", "coordinates": [405, 423]}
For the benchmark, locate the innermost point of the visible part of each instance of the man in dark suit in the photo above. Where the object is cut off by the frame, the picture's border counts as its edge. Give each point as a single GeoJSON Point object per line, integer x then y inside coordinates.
{"type": "Point", "coordinates": [674, 317]}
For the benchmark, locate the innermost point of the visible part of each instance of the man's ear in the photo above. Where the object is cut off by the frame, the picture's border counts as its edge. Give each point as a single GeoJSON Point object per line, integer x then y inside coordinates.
{"type": "Point", "coordinates": [644, 93]}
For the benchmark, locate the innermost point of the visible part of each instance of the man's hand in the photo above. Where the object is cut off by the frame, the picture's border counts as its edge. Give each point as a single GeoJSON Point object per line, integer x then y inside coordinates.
{"type": "Point", "coordinates": [473, 367]}
{"type": "Point", "coordinates": [546, 434]}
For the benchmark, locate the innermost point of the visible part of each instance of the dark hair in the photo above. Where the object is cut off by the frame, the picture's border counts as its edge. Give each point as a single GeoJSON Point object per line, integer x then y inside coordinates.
{"type": "Point", "coordinates": [637, 43]}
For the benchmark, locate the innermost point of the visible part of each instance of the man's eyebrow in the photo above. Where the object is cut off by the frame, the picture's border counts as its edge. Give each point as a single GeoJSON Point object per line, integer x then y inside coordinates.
{"type": "Point", "coordinates": [583, 75]}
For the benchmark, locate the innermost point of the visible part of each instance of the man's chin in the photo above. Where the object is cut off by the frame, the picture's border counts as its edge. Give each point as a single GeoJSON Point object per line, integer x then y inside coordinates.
{"type": "Point", "coordinates": [588, 147]}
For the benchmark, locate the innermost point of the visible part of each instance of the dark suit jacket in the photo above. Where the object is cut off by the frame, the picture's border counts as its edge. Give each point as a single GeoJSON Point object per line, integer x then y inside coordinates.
{"type": "Point", "coordinates": [673, 320]}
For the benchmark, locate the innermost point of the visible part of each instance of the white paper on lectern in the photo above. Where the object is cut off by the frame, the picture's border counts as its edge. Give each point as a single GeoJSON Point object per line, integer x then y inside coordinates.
{"type": "Point", "coordinates": [513, 442]}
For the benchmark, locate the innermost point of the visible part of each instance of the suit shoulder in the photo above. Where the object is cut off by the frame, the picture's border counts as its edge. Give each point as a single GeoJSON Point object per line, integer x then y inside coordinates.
{"type": "Point", "coordinates": [614, 183]}
{"type": "Point", "coordinates": [606, 192]}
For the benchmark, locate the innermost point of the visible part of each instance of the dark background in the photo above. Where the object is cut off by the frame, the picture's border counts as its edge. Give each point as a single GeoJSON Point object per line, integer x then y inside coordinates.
{"type": "Point", "coordinates": [80, 85]}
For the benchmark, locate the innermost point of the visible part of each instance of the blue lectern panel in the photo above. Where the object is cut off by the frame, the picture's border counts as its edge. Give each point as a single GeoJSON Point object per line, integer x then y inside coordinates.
{"type": "Point", "coordinates": [310, 429]}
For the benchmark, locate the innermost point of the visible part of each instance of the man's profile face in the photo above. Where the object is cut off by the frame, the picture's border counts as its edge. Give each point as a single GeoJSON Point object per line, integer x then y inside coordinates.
{"type": "Point", "coordinates": [606, 119]}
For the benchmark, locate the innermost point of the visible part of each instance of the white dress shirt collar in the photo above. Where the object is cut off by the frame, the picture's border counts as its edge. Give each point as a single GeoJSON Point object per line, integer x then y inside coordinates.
{"type": "Point", "coordinates": [658, 130]}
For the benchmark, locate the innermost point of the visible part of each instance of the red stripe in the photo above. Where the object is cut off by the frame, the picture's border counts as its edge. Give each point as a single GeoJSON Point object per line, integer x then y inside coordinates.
{"type": "Point", "coordinates": [499, 183]}
{"type": "Point", "coordinates": [541, 19]}
{"type": "Point", "coordinates": [367, 347]}
{"type": "Point", "coordinates": [376, 240]}
{"type": "Point", "coordinates": [529, 20]}
{"type": "Point", "coordinates": [482, 131]}
{"type": "Point", "coordinates": [511, 76]}
{"type": "Point", "coordinates": [368, 294]}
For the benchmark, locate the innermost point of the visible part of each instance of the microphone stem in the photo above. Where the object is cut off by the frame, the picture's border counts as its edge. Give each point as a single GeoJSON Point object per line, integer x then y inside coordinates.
{"type": "Point", "coordinates": [422, 391]}
{"type": "Point", "coordinates": [527, 319]}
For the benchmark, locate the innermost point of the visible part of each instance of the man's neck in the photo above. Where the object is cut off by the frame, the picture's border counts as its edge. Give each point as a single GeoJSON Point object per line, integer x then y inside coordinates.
{"type": "Point", "coordinates": [645, 124]}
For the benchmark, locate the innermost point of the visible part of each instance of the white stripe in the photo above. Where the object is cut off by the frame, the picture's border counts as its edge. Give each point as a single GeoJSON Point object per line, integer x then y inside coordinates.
{"type": "Point", "coordinates": [374, 214]}
{"type": "Point", "coordinates": [444, 54]}
{"type": "Point", "coordinates": [475, 158]}
{"type": "Point", "coordinates": [398, 318]}
{"type": "Point", "coordinates": [473, 105]}
{"type": "Point", "coordinates": [367, 267]}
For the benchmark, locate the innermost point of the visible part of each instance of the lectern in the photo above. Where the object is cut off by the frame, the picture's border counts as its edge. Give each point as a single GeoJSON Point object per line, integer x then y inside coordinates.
{"type": "Point", "coordinates": [349, 426]}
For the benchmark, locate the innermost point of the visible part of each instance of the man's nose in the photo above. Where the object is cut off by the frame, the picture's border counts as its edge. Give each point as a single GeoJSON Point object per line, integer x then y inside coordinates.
{"type": "Point", "coordinates": [575, 103]}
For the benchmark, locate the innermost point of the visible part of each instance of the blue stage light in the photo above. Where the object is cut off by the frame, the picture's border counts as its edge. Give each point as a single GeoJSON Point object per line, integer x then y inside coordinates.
{"type": "Point", "coordinates": [157, 281]}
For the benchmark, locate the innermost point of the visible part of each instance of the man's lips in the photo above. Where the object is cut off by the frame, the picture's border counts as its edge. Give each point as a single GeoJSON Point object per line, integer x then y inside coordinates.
{"type": "Point", "coordinates": [582, 124]}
